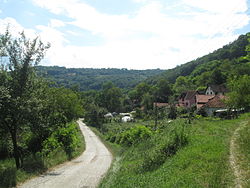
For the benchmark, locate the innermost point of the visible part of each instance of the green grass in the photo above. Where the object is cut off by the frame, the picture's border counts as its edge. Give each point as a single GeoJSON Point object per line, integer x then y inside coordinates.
{"type": "Point", "coordinates": [203, 162]}
{"type": "Point", "coordinates": [243, 157]}
{"type": "Point", "coordinates": [35, 165]}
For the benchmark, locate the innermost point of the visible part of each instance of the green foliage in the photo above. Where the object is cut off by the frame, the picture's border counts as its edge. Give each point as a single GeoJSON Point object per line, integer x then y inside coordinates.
{"type": "Point", "coordinates": [176, 140]}
{"type": "Point", "coordinates": [65, 137]}
{"type": "Point", "coordinates": [182, 84]}
{"type": "Point", "coordinates": [215, 67]}
{"type": "Point", "coordinates": [163, 91]}
{"type": "Point", "coordinates": [243, 153]}
{"type": "Point", "coordinates": [8, 177]}
{"type": "Point", "coordinates": [172, 112]}
{"type": "Point", "coordinates": [66, 102]}
{"type": "Point", "coordinates": [135, 134]}
{"type": "Point", "coordinates": [38, 163]}
{"type": "Point", "coordinates": [32, 114]}
{"type": "Point", "coordinates": [147, 102]}
{"type": "Point", "coordinates": [93, 79]}
{"type": "Point", "coordinates": [110, 98]}
{"type": "Point", "coordinates": [200, 162]}
{"type": "Point", "coordinates": [202, 112]}
{"type": "Point", "coordinates": [19, 84]}
{"type": "Point", "coordinates": [94, 115]}
{"type": "Point", "coordinates": [239, 97]}
{"type": "Point", "coordinates": [137, 93]}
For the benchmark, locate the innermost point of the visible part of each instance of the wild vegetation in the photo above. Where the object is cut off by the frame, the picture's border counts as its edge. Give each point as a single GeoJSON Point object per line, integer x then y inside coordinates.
{"type": "Point", "coordinates": [243, 153]}
{"type": "Point", "coordinates": [36, 120]}
{"type": "Point", "coordinates": [174, 154]}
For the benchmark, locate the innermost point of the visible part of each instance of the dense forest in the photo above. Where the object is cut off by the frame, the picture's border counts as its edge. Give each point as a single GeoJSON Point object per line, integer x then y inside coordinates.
{"type": "Point", "coordinates": [88, 78]}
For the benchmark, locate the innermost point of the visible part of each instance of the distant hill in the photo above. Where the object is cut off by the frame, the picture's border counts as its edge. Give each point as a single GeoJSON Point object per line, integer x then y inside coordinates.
{"type": "Point", "coordinates": [87, 78]}
{"type": "Point", "coordinates": [214, 68]}
{"type": "Point", "coordinates": [228, 59]}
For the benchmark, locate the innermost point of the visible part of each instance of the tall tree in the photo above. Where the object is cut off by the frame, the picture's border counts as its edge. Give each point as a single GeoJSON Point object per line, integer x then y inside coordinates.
{"type": "Point", "coordinates": [217, 77]}
{"type": "Point", "coordinates": [163, 91]}
{"type": "Point", "coordinates": [182, 84]}
{"type": "Point", "coordinates": [239, 96]}
{"type": "Point", "coordinates": [22, 54]}
{"type": "Point", "coordinates": [110, 97]}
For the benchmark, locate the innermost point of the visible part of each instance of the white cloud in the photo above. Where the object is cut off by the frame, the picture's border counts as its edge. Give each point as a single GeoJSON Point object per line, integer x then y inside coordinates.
{"type": "Point", "coordinates": [15, 28]}
{"type": "Point", "coordinates": [147, 38]}
{"type": "Point", "coordinates": [56, 23]}
{"type": "Point", "coordinates": [221, 6]}
{"type": "Point", "coordinates": [49, 34]}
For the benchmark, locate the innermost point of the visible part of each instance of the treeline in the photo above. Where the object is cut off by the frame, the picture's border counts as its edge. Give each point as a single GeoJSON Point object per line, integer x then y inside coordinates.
{"type": "Point", "coordinates": [84, 79]}
{"type": "Point", "coordinates": [35, 119]}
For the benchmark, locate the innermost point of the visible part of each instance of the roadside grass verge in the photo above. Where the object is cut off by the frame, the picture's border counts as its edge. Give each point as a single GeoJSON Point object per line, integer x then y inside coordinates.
{"type": "Point", "coordinates": [35, 165]}
{"type": "Point", "coordinates": [202, 161]}
{"type": "Point", "coordinates": [243, 155]}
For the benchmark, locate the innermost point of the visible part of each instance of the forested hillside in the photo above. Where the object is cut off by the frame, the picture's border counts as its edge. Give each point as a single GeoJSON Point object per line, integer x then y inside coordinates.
{"type": "Point", "coordinates": [213, 68]}
{"type": "Point", "coordinates": [88, 78]}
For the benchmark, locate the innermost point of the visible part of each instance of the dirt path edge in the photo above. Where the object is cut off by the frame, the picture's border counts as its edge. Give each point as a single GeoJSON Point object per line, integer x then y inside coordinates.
{"type": "Point", "coordinates": [234, 163]}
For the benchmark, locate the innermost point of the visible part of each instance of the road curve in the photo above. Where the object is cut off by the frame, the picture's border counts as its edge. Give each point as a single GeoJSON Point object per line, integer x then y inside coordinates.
{"type": "Point", "coordinates": [84, 171]}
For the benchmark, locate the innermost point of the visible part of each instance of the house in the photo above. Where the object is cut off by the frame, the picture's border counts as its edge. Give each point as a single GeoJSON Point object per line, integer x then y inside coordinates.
{"type": "Point", "coordinates": [214, 104]}
{"type": "Point", "coordinates": [187, 99]}
{"type": "Point", "coordinates": [181, 100]}
{"type": "Point", "coordinates": [201, 100]}
{"type": "Point", "coordinates": [216, 90]}
{"type": "Point", "coordinates": [160, 105]}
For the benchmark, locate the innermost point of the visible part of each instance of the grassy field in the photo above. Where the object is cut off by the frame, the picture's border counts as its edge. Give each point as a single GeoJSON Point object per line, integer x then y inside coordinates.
{"type": "Point", "coordinates": [159, 161]}
{"type": "Point", "coordinates": [34, 165]}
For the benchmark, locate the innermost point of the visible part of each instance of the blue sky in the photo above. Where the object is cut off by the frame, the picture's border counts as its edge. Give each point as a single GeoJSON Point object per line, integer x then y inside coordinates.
{"type": "Point", "coordinates": [133, 34]}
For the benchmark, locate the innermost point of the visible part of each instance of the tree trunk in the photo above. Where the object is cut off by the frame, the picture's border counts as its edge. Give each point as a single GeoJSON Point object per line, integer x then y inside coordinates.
{"type": "Point", "coordinates": [15, 148]}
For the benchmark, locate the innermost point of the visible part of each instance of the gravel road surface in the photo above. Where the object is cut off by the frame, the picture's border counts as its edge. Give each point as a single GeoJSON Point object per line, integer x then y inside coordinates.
{"type": "Point", "coordinates": [84, 171]}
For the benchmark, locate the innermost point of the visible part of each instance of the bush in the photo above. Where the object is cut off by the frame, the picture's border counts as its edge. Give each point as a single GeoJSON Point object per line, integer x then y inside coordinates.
{"type": "Point", "coordinates": [134, 134]}
{"type": "Point", "coordinates": [159, 155]}
{"type": "Point", "coordinates": [65, 137]}
{"type": "Point", "coordinates": [172, 112]}
{"type": "Point", "coordinates": [34, 144]}
{"type": "Point", "coordinates": [8, 177]}
{"type": "Point", "coordinates": [202, 112]}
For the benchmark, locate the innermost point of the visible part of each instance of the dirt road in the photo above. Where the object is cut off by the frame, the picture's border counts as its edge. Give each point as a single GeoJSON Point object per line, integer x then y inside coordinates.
{"type": "Point", "coordinates": [233, 157]}
{"type": "Point", "coordinates": [84, 171]}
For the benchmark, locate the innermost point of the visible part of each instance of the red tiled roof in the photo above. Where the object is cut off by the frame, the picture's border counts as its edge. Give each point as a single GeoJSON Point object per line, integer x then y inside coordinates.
{"type": "Point", "coordinates": [203, 98]}
{"type": "Point", "coordinates": [216, 102]}
{"type": "Point", "coordinates": [199, 105]}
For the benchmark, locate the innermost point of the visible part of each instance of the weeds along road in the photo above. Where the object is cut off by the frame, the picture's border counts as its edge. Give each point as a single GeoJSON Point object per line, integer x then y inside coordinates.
{"type": "Point", "coordinates": [84, 171]}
